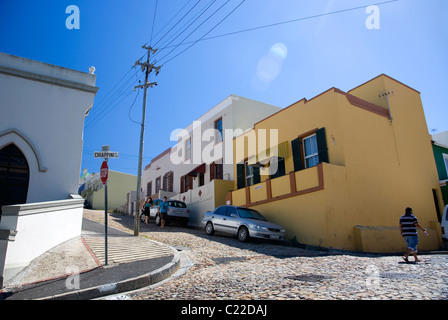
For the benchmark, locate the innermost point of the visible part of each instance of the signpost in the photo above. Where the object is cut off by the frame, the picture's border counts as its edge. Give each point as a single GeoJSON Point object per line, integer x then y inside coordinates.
{"type": "Point", "coordinates": [104, 175]}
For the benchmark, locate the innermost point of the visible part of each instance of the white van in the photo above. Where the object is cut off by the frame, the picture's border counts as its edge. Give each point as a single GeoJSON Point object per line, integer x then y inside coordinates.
{"type": "Point", "coordinates": [444, 224]}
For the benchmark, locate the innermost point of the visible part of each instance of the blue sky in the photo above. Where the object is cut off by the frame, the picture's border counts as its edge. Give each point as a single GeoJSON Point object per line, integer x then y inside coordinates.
{"type": "Point", "coordinates": [324, 49]}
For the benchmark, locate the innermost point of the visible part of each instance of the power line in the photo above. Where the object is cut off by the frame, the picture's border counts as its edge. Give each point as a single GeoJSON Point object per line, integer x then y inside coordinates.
{"type": "Point", "coordinates": [279, 23]}
{"type": "Point", "coordinates": [169, 21]}
{"type": "Point", "coordinates": [190, 23]}
{"type": "Point", "coordinates": [153, 20]}
{"type": "Point", "coordinates": [196, 29]}
{"type": "Point", "coordinates": [106, 109]}
{"type": "Point", "coordinates": [205, 33]}
{"type": "Point", "coordinates": [96, 109]}
{"type": "Point", "coordinates": [177, 22]}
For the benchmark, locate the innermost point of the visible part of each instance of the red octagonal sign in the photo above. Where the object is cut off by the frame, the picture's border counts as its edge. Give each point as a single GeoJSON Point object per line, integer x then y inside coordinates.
{"type": "Point", "coordinates": [104, 172]}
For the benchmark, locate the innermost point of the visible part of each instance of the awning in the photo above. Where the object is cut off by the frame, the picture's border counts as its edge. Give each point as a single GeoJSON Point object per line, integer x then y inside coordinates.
{"type": "Point", "coordinates": [198, 169]}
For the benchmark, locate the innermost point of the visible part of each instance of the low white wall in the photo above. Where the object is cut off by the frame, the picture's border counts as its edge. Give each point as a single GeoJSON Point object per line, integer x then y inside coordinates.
{"type": "Point", "coordinates": [39, 227]}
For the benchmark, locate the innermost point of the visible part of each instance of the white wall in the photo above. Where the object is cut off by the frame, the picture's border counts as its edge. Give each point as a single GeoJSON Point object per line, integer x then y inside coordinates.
{"type": "Point", "coordinates": [42, 111]}
{"type": "Point", "coordinates": [40, 227]}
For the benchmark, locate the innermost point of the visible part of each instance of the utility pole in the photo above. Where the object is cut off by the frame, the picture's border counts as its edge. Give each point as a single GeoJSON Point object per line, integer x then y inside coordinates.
{"type": "Point", "coordinates": [148, 68]}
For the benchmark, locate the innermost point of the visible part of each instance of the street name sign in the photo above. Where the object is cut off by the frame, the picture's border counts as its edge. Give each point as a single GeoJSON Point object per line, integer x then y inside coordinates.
{"type": "Point", "coordinates": [105, 154]}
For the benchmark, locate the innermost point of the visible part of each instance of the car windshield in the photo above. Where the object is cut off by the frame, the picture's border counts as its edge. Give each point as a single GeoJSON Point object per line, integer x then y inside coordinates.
{"type": "Point", "coordinates": [250, 214]}
{"type": "Point", "coordinates": [177, 204]}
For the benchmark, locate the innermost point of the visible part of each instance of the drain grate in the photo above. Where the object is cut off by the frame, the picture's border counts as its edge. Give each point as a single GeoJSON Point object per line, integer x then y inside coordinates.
{"type": "Point", "coordinates": [308, 277]}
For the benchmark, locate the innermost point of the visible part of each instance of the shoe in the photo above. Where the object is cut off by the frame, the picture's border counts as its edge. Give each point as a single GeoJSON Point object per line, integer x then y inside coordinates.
{"type": "Point", "coordinates": [406, 259]}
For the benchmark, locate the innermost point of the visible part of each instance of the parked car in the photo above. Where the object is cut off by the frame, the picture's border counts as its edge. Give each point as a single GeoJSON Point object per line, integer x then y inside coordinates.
{"type": "Point", "coordinates": [444, 224]}
{"type": "Point", "coordinates": [242, 222]}
{"type": "Point", "coordinates": [177, 211]}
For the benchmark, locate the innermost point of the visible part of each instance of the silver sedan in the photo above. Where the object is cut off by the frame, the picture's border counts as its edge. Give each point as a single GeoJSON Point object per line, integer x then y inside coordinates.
{"type": "Point", "coordinates": [242, 222]}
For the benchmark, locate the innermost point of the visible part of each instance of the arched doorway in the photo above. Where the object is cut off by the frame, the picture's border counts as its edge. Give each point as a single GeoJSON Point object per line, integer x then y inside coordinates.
{"type": "Point", "coordinates": [14, 176]}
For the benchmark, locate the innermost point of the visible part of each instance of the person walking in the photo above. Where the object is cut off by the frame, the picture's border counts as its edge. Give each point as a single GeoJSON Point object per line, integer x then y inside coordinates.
{"type": "Point", "coordinates": [148, 204]}
{"type": "Point", "coordinates": [163, 211]}
{"type": "Point", "coordinates": [408, 229]}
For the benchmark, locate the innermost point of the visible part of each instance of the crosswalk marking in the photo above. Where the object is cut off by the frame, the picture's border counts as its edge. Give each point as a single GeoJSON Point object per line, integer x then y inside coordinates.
{"type": "Point", "coordinates": [125, 249]}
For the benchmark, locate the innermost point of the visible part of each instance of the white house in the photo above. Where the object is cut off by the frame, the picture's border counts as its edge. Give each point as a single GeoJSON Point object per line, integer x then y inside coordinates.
{"type": "Point", "coordinates": [199, 168]}
{"type": "Point", "coordinates": [42, 109]}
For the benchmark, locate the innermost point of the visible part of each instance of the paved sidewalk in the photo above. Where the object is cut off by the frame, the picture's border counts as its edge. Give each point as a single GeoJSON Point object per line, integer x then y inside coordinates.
{"type": "Point", "coordinates": [76, 269]}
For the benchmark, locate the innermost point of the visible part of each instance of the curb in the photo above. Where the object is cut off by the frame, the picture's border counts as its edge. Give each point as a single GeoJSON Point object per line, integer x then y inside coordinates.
{"type": "Point", "coordinates": [122, 286]}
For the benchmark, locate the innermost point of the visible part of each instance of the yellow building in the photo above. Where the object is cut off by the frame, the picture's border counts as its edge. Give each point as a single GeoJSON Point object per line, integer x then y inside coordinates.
{"type": "Point", "coordinates": [118, 186]}
{"type": "Point", "coordinates": [348, 164]}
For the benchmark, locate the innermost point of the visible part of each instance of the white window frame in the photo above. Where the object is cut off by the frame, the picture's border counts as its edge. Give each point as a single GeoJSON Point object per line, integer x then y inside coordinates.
{"type": "Point", "coordinates": [445, 160]}
{"type": "Point", "coordinates": [188, 149]}
{"type": "Point", "coordinates": [310, 156]}
{"type": "Point", "coordinates": [219, 133]}
{"type": "Point", "coordinates": [248, 174]}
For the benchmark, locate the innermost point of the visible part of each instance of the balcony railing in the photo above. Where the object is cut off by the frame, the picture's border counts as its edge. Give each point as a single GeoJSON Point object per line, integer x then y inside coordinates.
{"type": "Point", "coordinates": [290, 185]}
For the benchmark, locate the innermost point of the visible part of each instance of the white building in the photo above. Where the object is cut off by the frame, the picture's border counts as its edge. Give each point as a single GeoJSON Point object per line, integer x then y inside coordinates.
{"type": "Point", "coordinates": [199, 169]}
{"type": "Point", "coordinates": [42, 109]}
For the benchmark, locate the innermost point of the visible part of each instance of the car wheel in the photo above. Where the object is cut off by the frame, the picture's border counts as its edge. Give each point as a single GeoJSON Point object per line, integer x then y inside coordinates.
{"type": "Point", "coordinates": [243, 234]}
{"type": "Point", "coordinates": [209, 228]}
{"type": "Point", "coordinates": [142, 218]}
{"type": "Point", "coordinates": [158, 222]}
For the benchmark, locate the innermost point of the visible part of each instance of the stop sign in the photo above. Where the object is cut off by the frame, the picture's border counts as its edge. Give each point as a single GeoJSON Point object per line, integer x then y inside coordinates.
{"type": "Point", "coordinates": [104, 172]}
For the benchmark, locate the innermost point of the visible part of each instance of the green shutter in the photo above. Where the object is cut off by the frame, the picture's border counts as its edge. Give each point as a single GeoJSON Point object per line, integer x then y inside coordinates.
{"type": "Point", "coordinates": [296, 154]}
{"type": "Point", "coordinates": [257, 177]}
{"type": "Point", "coordinates": [322, 145]}
{"type": "Point", "coordinates": [239, 175]}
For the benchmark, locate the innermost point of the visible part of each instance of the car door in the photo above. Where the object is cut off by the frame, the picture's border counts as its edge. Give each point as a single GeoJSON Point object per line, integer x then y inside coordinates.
{"type": "Point", "coordinates": [153, 211]}
{"type": "Point", "coordinates": [218, 218]}
{"type": "Point", "coordinates": [231, 221]}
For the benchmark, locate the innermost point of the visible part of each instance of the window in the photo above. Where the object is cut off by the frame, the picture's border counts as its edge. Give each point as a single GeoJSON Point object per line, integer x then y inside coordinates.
{"type": "Point", "coordinates": [158, 185]}
{"type": "Point", "coordinates": [230, 211]}
{"type": "Point", "coordinates": [281, 170]}
{"type": "Point", "coordinates": [188, 149]}
{"type": "Point", "coordinates": [186, 183]}
{"type": "Point", "coordinates": [309, 149]}
{"type": "Point", "coordinates": [14, 176]}
{"type": "Point", "coordinates": [221, 211]}
{"type": "Point", "coordinates": [149, 189]}
{"type": "Point", "coordinates": [216, 171]}
{"type": "Point", "coordinates": [168, 182]}
{"type": "Point", "coordinates": [201, 179]}
{"type": "Point", "coordinates": [247, 175]}
{"type": "Point", "coordinates": [445, 160]}
{"type": "Point", "coordinates": [311, 156]}
{"type": "Point", "coordinates": [218, 127]}
{"type": "Point", "coordinates": [176, 204]}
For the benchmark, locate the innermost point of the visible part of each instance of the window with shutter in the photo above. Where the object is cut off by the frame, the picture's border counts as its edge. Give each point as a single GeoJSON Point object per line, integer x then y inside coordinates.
{"type": "Point", "coordinates": [309, 149]}
{"type": "Point", "coordinates": [311, 155]}
{"type": "Point", "coordinates": [212, 171]}
{"type": "Point", "coordinates": [322, 145]}
{"type": "Point", "coordinates": [297, 154]}
{"type": "Point", "coordinates": [239, 175]}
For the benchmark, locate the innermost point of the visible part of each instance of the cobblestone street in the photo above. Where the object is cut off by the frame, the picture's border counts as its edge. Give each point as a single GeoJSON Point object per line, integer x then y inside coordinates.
{"type": "Point", "coordinates": [224, 268]}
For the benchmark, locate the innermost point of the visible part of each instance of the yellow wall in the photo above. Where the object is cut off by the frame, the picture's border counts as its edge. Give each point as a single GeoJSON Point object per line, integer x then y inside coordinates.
{"type": "Point", "coordinates": [376, 169]}
{"type": "Point", "coordinates": [118, 186]}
